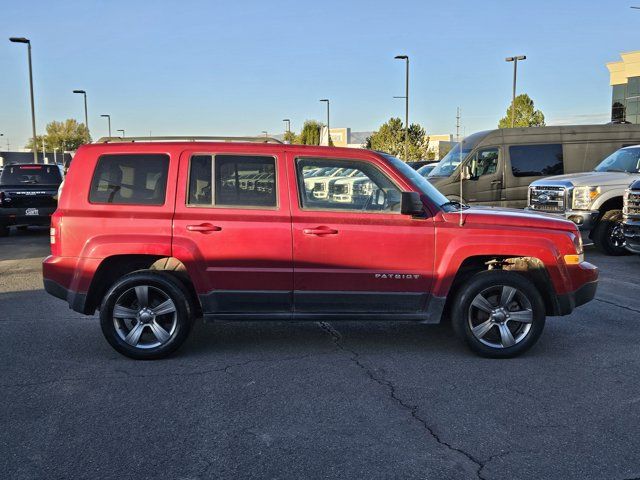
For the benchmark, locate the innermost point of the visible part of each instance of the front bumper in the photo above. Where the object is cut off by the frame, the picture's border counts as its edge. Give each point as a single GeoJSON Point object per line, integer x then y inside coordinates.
{"type": "Point", "coordinates": [632, 235]}
{"type": "Point", "coordinates": [584, 279]}
{"type": "Point", "coordinates": [585, 220]}
{"type": "Point", "coordinates": [22, 216]}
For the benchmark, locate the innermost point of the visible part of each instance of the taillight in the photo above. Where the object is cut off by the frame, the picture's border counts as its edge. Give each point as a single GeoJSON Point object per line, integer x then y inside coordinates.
{"type": "Point", "coordinates": [55, 235]}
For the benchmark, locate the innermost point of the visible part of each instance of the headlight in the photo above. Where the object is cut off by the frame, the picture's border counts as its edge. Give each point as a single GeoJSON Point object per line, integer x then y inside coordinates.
{"type": "Point", "coordinates": [584, 196]}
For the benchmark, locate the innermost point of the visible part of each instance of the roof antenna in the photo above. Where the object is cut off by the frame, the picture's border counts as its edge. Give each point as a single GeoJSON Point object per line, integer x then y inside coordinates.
{"type": "Point", "coordinates": [462, 170]}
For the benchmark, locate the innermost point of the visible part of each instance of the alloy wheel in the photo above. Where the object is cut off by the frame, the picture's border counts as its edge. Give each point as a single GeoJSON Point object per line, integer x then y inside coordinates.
{"type": "Point", "coordinates": [500, 316]}
{"type": "Point", "coordinates": [145, 317]}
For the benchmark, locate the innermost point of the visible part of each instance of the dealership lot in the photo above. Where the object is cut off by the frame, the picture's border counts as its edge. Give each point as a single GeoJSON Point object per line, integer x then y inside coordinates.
{"type": "Point", "coordinates": [316, 400]}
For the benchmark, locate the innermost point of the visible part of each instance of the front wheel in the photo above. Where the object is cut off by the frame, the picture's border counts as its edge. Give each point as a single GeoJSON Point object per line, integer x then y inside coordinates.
{"type": "Point", "coordinates": [499, 314]}
{"type": "Point", "coordinates": [146, 315]}
{"type": "Point", "coordinates": [608, 235]}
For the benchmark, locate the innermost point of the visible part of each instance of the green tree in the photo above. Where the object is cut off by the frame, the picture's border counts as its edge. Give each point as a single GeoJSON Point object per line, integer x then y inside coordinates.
{"type": "Point", "coordinates": [289, 137]}
{"type": "Point", "coordinates": [525, 114]}
{"type": "Point", "coordinates": [310, 133]}
{"type": "Point", "coordinates": [67, 135]}
{"type": "Point", "coordinates": [390, 138]}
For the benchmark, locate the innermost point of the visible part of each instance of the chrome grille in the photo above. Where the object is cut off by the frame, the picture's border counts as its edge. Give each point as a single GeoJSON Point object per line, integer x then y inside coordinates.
{"type": "Point", "coordinates": [548, 199]}
{"type": "Point", "coordinates": [631, 207]}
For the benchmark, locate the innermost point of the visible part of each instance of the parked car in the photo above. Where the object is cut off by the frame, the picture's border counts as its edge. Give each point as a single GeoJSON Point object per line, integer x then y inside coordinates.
{"type": "Point", "coordinates": [419, 164]}
{"type": "Point", "coordinates": [592, 200]}
{"type": "Point", "coordinates": [154, 235]}
{"type": "Point", "coordinates": [503, 163]}
{"type": "Point", "coordinates": [28, 195]}
{"type": "Point", "coordinates": [631, 217]}
{"type": "Point", "coordinates": [425, 170]}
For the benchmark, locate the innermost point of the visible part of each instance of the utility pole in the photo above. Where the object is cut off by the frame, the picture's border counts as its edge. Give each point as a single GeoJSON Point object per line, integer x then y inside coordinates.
{"type": "Point", "coordinates": [328, 127]}
{"type": "Point", "coordinates": [458, 124]}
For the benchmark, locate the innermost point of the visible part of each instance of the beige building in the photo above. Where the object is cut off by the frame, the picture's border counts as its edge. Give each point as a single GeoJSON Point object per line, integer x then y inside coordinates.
{"type": "Point", "coordinates": [624, 78]}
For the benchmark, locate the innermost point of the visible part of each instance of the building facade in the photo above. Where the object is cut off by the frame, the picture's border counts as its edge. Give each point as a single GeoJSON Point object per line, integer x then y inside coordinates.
{"type": "Point", "coordinates": [625, 83]}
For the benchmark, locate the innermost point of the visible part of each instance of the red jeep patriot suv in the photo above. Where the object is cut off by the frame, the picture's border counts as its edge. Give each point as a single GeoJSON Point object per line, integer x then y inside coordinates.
{"type": "Point", "coordinates": [155, 234]}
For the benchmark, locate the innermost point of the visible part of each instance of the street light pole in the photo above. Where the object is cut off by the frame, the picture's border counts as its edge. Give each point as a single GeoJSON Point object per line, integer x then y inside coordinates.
{"type": "Point", "coordinates": [288, 122]}
{"type": "Point", "coordinates": [108, 117]}
{"type": "Point", "coordinates": [33, 108]}
{"type": "Point", "coordinates": [121, 130]}
{"type": "Point", "coordinates": [328, 118]}
{"type": "Point", "coordinates": [515, 75]}
{"type": "Point", "coordinates": [406, 106]}
{"type": "Point", "coordinates": [86, 116]}
{"type": "Point", "coordinates": [266, 134]}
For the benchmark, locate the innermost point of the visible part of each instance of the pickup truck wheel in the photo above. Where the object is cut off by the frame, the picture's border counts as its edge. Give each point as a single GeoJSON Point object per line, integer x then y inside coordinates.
{"type": "Point", "coordinates": [608, 236]}
{"type": "Point", "coordinates": [146, 315]}
{"type": "Point", "coordinates": [499, 314]}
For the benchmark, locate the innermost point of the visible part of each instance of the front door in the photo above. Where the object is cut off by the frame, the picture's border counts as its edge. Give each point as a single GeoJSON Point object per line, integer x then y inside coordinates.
{"type": "Point", "coordinates": [486, 184]}
{"type": "Point", "coordinates": [232, 229]}
{"type": "Point", "coordinates": [353, 250]}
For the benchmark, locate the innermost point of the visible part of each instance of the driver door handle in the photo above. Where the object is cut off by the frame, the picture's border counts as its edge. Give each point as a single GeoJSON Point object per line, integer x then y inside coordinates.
{"type": "Point", "coordinates": [319, 231]}
{"type": "Point", "coordinates": [496, 182]}
{"type": "Point", "coordinates": [204, 228]}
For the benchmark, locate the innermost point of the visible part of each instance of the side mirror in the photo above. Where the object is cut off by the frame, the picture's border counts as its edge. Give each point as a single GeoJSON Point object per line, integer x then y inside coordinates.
{"type": "Point", "coordinates": [465, 173]}
{"type": "Point", "coordinates": [411, 204]}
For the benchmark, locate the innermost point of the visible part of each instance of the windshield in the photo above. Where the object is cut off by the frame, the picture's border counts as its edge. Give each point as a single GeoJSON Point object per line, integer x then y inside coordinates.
{"type": "Point", "coordinates": [418, 181]}
{"type": "Point", "coordinates": [451, 160]}
{"type": "Point", "coordinates": [426, 170]}
{"type": "Point", "coordinates": [31, 175]}
{"type": "Point", "coordinates": [624, 160]}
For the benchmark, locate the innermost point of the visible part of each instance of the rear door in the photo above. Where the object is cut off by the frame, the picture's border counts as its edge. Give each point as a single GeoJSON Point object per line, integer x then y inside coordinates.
{"type": "Point", "coordinates": [353, 250]}
{"type": "Point", "coordinates": [232, 229]}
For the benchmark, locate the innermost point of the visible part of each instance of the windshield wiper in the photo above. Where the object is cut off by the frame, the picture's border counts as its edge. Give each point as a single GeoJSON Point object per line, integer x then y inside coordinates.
{"type": "Point", "coordinates": [617, 170]}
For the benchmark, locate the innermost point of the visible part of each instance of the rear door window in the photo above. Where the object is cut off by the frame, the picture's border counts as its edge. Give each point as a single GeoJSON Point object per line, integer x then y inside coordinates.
{"type": "Point", "coordinates": [130, 179]}
{"type": "Point", "coordinates": [536, 160]}
{"type": "Point", "coordinates": [232, 181]}
{"type": "Point", "coordinates": [31, 175]}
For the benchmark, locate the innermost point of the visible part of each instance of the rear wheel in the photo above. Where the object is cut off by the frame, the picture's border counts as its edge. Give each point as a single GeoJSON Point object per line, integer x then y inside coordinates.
{"type": "Point", "coordinates": [499, 314]}
{"type": "Point", "coordinates": [608, 236]}
{"type": "Point", "coordinates": [146, 315]}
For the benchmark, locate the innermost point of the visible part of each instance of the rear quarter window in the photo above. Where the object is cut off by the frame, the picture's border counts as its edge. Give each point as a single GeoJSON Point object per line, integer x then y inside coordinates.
{"type": "Point", "coordinates": [130, 179]}
{"type": "Point", "coordinates": [536, 160]}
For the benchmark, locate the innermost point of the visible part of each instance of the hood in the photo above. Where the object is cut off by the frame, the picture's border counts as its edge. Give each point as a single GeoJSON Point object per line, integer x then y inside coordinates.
{"type": "Point", "coordinates": [591, 179]}
{"type": "Point", "coordinates": [510, 217]}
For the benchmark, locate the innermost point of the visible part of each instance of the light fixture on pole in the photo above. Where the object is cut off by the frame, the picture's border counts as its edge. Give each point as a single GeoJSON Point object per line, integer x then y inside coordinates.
{"type": "Point", "coordinates": [121, 130]}
{"type": "Point", "coordinates": [108, 117]}
{"type": "Point", "coordinates": [33, 108]}
{"type": "Point", "coordinates": [515, 75]}
{"type": "Point", "coordinates": [86, 116]}
{"type": "Point", "coordinates": [288, 122]}
{"type": "Point", "coordinates": [328, 118]}
{"type": "Point", "coordinates": [266, 134]}
{"type": "Point", "coordinates": [406, 106]}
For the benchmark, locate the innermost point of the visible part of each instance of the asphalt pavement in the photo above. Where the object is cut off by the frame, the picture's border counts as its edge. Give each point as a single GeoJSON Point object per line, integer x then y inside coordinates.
{"type": "Point", "coordinates": [277, 400]}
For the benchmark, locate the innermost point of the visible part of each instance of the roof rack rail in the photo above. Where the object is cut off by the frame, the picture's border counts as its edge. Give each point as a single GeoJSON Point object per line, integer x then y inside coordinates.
{"type": "Point", "coordinates": [188, 138]}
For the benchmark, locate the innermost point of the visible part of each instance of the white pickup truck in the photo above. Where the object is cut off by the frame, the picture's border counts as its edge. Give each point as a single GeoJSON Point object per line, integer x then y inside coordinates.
{"type": "Point", "coordinates": [592, 200]}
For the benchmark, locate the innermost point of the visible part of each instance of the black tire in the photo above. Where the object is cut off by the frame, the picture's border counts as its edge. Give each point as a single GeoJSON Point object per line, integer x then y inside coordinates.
{"type": "Point", "coordinates": [608, 236]}
{"type": "Point", "coordinates": [4, 231]}
{"type": "Point", "coordinates": [160, 285]}
{"type": "Point", "coordinates": [463, 313]}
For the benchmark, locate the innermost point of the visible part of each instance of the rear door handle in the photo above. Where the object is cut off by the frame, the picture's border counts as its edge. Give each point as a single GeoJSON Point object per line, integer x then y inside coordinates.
{"type": "Point", "coordinates": [496, 182]}
{"type": "Point", "coordinates": [204, 228]}
{"type": "Point", "coordinates": [319, 231]}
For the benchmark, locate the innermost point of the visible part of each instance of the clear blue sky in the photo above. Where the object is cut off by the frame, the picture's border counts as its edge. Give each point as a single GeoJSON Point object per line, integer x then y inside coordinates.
{"type": "Point", "coordinates": [240, 67]}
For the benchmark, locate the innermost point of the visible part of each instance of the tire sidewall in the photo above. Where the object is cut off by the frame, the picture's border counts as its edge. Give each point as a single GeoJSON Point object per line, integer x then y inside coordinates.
{"type": "Point", "coordinates": [477, 284]}
{"type": "Point", "coordinates": [170, 287]}
{"type": "Point", "coordinates": [602, 234]}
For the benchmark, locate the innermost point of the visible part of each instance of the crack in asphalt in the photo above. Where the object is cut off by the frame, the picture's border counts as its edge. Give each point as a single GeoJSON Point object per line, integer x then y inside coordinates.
{"type": "Point", "coordinates": [617, 305]}
{"type": "Point", "coordinates": [412, 409]}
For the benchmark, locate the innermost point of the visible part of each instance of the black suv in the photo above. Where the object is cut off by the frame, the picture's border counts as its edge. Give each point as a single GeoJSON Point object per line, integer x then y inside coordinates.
{"type": "Point", "coordinates": [28, 195]}
{"type": "Point", "coordinates": [631, 215]}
